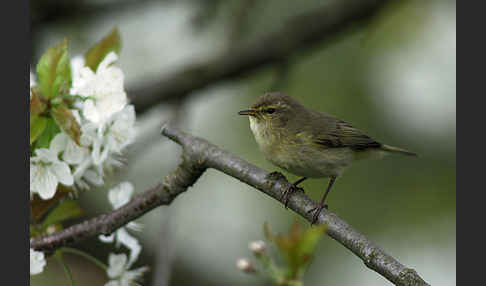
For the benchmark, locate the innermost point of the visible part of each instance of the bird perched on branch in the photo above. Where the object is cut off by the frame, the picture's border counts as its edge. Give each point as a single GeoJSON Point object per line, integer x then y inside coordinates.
{"type": "Point", "coordinates": [309, 143]}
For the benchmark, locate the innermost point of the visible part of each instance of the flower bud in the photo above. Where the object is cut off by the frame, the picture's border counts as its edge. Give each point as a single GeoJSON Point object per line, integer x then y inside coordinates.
{"type": "Point", "coordinates": [244, 265]}
{"type": "Point", "coordinates": [51, 229]}
{"type": "Point", "coordinates": [257, 247]}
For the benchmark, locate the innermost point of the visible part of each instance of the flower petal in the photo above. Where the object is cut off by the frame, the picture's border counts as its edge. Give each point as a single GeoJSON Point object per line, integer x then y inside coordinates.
{"type": "Point", "coordinates": [116, 265]}
{"type": "Point", "coordinates": [93, 178]}
{"type": "Point", "coordinates": [99, 154]}
{"type": "Point", "coordinates": [37, 262]}
{"type": "Point", "coordinates": [59, 143]}
{"type": "Point", "coordinates": [120, 195]}
{"type": "Point", "coordinates": [91, 112]}
{"type": "Point", "coordinates": [62, 172]}
{"type": "Point", "coordinates": [107, 238]}
{"type": "Point", "coordinates": [74, 154]}
{"type": "Point", "coordinates": [122, 132]}
{"type": "Point", "coordinates": [44, 182]}
{"type": "Point", "coordinates": [88, 134]}
{"type": "Point", "coordinates": [134, 274]}
{"type": "Point", "coordinates": [45, 155]}
{"type": "Point", "coordinates": [123, 237]}
{"type": "Point", "coordinates": [135, 226]}
{"type": "Point", "coordinates": [108, 60]}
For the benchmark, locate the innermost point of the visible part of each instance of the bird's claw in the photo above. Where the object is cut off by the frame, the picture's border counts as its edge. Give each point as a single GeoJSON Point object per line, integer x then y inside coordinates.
{"type": "Point", "coordinates": [317, 210]}
{"type": "Point", "coordinates": [289, 191]}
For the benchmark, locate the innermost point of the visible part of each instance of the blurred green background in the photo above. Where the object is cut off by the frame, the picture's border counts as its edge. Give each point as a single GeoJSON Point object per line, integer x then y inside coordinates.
{"type": "Point", "coordinates": [394, 77]}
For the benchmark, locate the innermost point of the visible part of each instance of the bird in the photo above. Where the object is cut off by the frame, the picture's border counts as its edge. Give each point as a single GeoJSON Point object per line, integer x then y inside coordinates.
{"type": "Point", "coordinates": [309, 143]}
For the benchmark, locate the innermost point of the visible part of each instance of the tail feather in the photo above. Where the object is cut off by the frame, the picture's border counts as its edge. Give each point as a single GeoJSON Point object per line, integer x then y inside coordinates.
{"type": "Point", "coordinates": [397, 150]}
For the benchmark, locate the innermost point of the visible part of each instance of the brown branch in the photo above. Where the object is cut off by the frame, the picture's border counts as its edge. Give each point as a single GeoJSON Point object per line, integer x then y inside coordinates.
{"type": "Point", "coordinates": [296, 35]}
{"type": "Point", "coordinates": [198, 155]}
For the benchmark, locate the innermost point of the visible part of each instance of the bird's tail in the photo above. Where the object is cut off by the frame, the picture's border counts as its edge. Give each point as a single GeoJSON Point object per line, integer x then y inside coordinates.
{"type": "Point", "coordinates": [397, 150]}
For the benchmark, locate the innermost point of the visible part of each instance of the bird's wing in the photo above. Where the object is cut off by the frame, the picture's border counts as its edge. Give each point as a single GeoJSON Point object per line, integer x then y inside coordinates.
{"type": "Point", "coordinates": [338, 133]}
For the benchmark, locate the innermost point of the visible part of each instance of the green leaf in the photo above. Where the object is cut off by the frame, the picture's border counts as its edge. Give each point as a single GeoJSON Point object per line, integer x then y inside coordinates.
{"type": "Point", "coordinates": [97, 53]}
{"type": "Point", "coordinates": [309, 240]}
{"type": "Point", "coordinates": [65, 210]}
{"type": "Point", "coordinates": [50, 131]}
{"type": "Point", "coordinates": [296, 247]}
{"type": "Point", "coordinates": [37, 126]}
{"type": "Point", "coordinates": [66, 120]}
{"type": "Point", "coordinates": [54, 71]}
{"type": "Point", "coordinates": [32, 231]}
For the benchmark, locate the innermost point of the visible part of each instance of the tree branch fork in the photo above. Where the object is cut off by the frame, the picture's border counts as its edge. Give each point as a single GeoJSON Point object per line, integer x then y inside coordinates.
{"type": "Point", "coordinates": [199, 155]}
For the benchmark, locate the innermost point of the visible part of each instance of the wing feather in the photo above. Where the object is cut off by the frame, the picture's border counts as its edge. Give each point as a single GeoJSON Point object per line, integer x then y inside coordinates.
{"type": "Point", "coordinates": [337, 133]}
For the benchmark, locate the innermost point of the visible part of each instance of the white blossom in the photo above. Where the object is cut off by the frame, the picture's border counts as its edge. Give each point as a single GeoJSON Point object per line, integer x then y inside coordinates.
{"type": "Point", "coordinates": [107, 127]}
{"type": "Point", "coordinates": [118, 271]}
{"type": "Point", "coordinates": [92, 177]}
{"type": "Point", "coordinates": [77, 64]}
{"type": "Point", "coordinates": [122, 237]}
{"type": "Point", "coordinates": [257, 246]}
{"type": "Point", "coordinates": [47, 171]}
{"type": "Point", "coordinates": [106, 144]}
{"type": "Point", "coordinates": [93, 137]}
{"type": "Point", "coordinates": [118, 197]}
{"type": "Point", "coordinates": [37, 262]}
{"type": "Point", "coordinates": [74, 154]}
{"type": "Point", "coordinates": [103, 90]}
{"type": "Point", "coordinates": [244, 265]}
{"type": "Point", "coordinates": [111, 138]}
{"type": "Point", "coordinates": [122, 132]}
{"type": "Point", "coordinates": [80, 158]}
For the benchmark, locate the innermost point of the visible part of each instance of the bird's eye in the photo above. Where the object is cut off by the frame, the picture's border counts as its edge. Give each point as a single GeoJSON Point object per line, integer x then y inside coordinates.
{"type": "Point", "coordinates": [270, 110]}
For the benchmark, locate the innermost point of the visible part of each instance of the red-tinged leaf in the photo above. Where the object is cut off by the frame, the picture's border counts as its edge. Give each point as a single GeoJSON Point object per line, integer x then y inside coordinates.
{"type": "Point", "coordinates": [67, 122]}
{"type": "Point", "coordinates": [54, 71]}
{"type": "Point", "coordinates": [39, 207]}
{"type": "Point", "coordinates": [36, 106]}
{"type": "Point", "coordinates": [97, 53]}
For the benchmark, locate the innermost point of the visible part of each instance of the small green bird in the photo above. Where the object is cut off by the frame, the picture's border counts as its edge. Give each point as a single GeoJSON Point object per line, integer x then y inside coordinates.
{"type": "Point", "coordinates": [309, 143]}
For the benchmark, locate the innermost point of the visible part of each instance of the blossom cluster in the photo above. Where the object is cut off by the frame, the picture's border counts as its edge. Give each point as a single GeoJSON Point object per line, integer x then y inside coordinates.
{"type": "Point", "coordinates": [106, 122]}
{"type": "Point", "coordinates": [80, 123]}
{"type": "Point", "coordinates": [119, 265]}
{"type": "Point", "coordinates": [118, 270]}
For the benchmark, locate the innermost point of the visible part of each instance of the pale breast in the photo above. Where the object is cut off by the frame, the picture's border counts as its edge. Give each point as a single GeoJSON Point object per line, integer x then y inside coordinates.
{"type": "Point", "coordinates": [312, 162]}
{"type": "Point", "coordinates": [299, 158]}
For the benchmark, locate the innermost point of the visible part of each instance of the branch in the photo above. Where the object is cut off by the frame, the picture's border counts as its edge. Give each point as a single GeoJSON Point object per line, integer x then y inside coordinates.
{"type": "Point", "coordinates": [198, 155]}
{"type": "Point", "coordinates": [296, 35]}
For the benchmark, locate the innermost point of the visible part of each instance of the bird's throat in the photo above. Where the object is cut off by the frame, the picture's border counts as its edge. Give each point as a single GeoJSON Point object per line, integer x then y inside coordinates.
{"type": "Point", "coordinates": [263, 133]}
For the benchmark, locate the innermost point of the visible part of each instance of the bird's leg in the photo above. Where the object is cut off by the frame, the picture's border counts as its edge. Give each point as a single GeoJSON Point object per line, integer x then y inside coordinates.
{"type": "Point", "coordinates": [319, 208]}
{"type": "Point", "coordinates": [292, 189]}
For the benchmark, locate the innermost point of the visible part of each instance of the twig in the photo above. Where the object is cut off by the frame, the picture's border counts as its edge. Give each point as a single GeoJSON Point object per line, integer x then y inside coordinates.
{"type": "Point", "coordinates": [198, 155]}
{"type": "Point", "coordinates": [299, 34]}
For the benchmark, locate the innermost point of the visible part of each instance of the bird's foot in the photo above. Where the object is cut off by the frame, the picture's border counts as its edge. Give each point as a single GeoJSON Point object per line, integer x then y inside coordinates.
{"type": "Point", "coordinates": [288, 192]}
{"type": "Point", "coordinates": [317, 210]}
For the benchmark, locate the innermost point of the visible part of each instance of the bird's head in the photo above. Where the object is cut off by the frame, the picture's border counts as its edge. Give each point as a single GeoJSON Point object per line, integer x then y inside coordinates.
{"type": "Point", "coordinates": [274, 110]}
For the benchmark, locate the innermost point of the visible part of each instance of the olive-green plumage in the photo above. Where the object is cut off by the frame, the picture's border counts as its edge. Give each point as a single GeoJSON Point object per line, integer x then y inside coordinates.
{"type": "Point", "coordinates": [307, 142]}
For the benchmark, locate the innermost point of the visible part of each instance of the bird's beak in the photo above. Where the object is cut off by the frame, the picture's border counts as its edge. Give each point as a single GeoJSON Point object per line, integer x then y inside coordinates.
{"type": "Point", "coordinates": [250, 112]}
